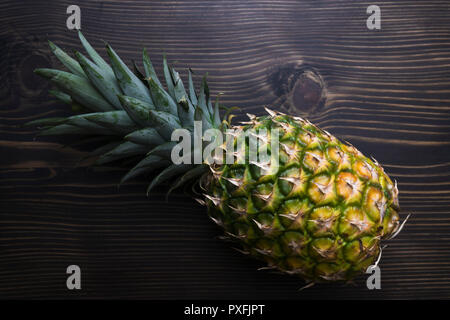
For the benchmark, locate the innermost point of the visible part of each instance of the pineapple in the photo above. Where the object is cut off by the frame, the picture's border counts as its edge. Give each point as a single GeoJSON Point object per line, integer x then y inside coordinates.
{"type": "Point", "coordinates": [320, 213]}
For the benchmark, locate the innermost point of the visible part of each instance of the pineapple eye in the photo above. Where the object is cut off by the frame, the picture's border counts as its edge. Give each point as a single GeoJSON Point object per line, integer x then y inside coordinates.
{"type": "Point", "coordinates": [300, 266]}
{"type": "Point", "coordinates": [365, 170]}
{"type": "Point", "coordinates": [285, 186]}
{"type": "Point", "coordinates": [238, 206]}
{"type": "Point", "coordinates": [295, 243]}
{"type": "Point", "coordinates": [340, 158]}
{"type": "Point", "coordinates": [293, 181]}
{"type": "Point", "coordinates": [321, 190]}
{"type": "Point", "coordinates": [375, 204]}
{"type": "Point", "coordinates": [262, 195]}
{"type": "Point", "coordinates": [351, 149]}
{"type": "Point", "coordinates": [324, 249]}
{"type": "Point", "coordinates": [294, 214]}
{"type": "Point", "coordinates": [321, 221]}
{"type": "Point", "coordinates": [268, 224]}
{"type": "Point", "coordinates": [362, 252]}
{"type": "Point", "coordinates": [316, 161]}
{"type": "Point", "coordinates": [267, 248]}
{"type": "Point", "coordinates": [349, 187]}
{"type": "Point", "coordinates": [237, 173]}
{"type": "Point", "coordinates": [242, 231]}
{"type": "Point", "coordinates": [391, 222]}
{"type": "Point", "coordinates": [331, 271]}
{"type": "Point", "coordinates": [354, 223]}
{"type": "Point", "coordinates": [264, 189]}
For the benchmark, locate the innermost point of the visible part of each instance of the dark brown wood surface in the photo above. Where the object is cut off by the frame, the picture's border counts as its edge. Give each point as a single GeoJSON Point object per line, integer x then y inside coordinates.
{"type": "Point", "coordinates": [387, 91]}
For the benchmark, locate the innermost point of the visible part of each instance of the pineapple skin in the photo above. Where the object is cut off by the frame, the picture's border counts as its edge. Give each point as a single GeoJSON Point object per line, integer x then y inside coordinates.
{"type": "Point", "coordinates": [321, 215]}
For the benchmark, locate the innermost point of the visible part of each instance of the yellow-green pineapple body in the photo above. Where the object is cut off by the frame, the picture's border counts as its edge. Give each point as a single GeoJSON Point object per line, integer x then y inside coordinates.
{"type": "Point", "coordinates": [321, 215]}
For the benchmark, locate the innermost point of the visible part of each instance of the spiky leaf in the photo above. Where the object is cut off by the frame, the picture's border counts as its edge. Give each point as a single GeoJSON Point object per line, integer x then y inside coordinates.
{"type": "Point", "coordinates": [148, 68]}
{"type": "Point", "coordinates": [185, 107]}
{"type": "Point", "coordinates": [137, 110]}
{"type": "Point", "coordinates": [116, 121]}
{"type": "Point", "coordinates": [192, 94]}
{"type": "Point", "coordinates": [147, 136]}
{"type": "Point", "coordinates": [161, 99]}
{"type": "Point", "coordinates": [168, 173]}
{"type": "Point", "coordinates": [124, 150]}
{"type": "Point", "coordinates": [164, 150]}
{"type": "Point", "coordinates": [105, 82]}
{"type": "Point", "coordinates": [168, 77]}
{"type": "Point", "coordinates": [67, 61]}
{"type": "Point", "coordinates": [165, 122]}
{"type": "Point", "coordinates": [128, 82]}
{"type": "Point", "coordinates": [99, 61]}
{"type": "Point", "coordinates": [146, 165]}
{"type": "Point", "coordinates": [191, 174]}
{"type": "Point", "coordinates": [78, 88]}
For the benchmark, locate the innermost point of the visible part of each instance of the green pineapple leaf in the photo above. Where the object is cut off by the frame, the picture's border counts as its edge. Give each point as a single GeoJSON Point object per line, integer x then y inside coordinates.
{"type": "Point", "coordinates": [169, 172]}
{"type": "Point", "coordinates": [168, 77]}
{"type": "Point", "coordinates": [68, 129]}
{"type": "Point", "coordinates": [216, 114]}
{"type": "Point", "coordinates": [79, 88]}
{"type": "Point", "coordinates": [101, 150]}
{"type": "Point", "coordinates": [71, 64]}
{"type": "Point", "coordinates": [123, 150]}
{"type": "Point", "coordinates": [138, 72]}
{"type": "Point", "coordinates": [128, 82]}
{"type": "Point", "coordinates": [148, 68]}
{"type": "Point", "coordinates": [162, 100]}
{"type": "Point", "coordinates": [163, 150]}
{"type": "Point", "coordinates": [146, 165]}
{"type": "Point", "coordinates": [185, 107]}
{"type": "Point", "coordinates": [165, 122]}
{"type": "Point", "coordinates": [137, 110]}
{"type": "Point", "coordinates": [192, 94]}
{"type": "Point", "coordinates": [99, 61]}
{"type": "Point", "coordinates": [147, 136]}
{"type": "Point", "coordinates": [202, 102]}
{"type": "Point", "coordinates": [61, 96]}
{"type": "Point", "coordinates": [104, 82]}
{"type": "Point", "coordinates": [189, 175]}
{"type": "Point", "coordinates": [116, 121]}
{"type": "Point", "coordinates": [46, 122]}
{"type": "Point", "coordinates": [81, 121]}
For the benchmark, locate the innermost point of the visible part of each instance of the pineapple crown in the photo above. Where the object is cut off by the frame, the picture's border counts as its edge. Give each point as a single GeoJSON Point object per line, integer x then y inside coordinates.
{"type": "Point", "coordinates": [133, 112]}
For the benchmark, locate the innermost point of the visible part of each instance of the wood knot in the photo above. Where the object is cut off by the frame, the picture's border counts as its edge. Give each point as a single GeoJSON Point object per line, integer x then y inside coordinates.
{"type": "Point", "coordinates": [24, 54]}
{"type": "Point", "coordinates": [30, 82]}
{"type": "Point", "coordinates": [300, 89]}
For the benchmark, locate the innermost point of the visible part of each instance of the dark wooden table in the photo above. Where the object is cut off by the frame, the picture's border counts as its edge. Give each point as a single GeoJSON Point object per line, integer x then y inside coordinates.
{"type": "Point", "coordinates": [387, 91]}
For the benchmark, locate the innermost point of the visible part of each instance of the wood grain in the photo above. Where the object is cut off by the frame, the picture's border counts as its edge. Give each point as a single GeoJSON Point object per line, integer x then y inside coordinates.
{"type": "Point", "coordinates": [386, 91]}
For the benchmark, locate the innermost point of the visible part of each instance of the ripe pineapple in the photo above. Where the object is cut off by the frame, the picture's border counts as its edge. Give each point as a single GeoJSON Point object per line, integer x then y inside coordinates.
{"type": "Point", "coordinates": [320, 213]}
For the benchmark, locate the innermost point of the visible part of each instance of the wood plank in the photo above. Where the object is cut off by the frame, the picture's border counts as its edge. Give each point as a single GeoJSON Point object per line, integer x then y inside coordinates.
{"type": "Point", "coordinates": [386, 91]}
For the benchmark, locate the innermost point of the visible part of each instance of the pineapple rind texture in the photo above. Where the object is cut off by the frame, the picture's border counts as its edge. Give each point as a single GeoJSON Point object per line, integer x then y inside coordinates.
{"type": "Point", "coordinates": [321, 215]}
